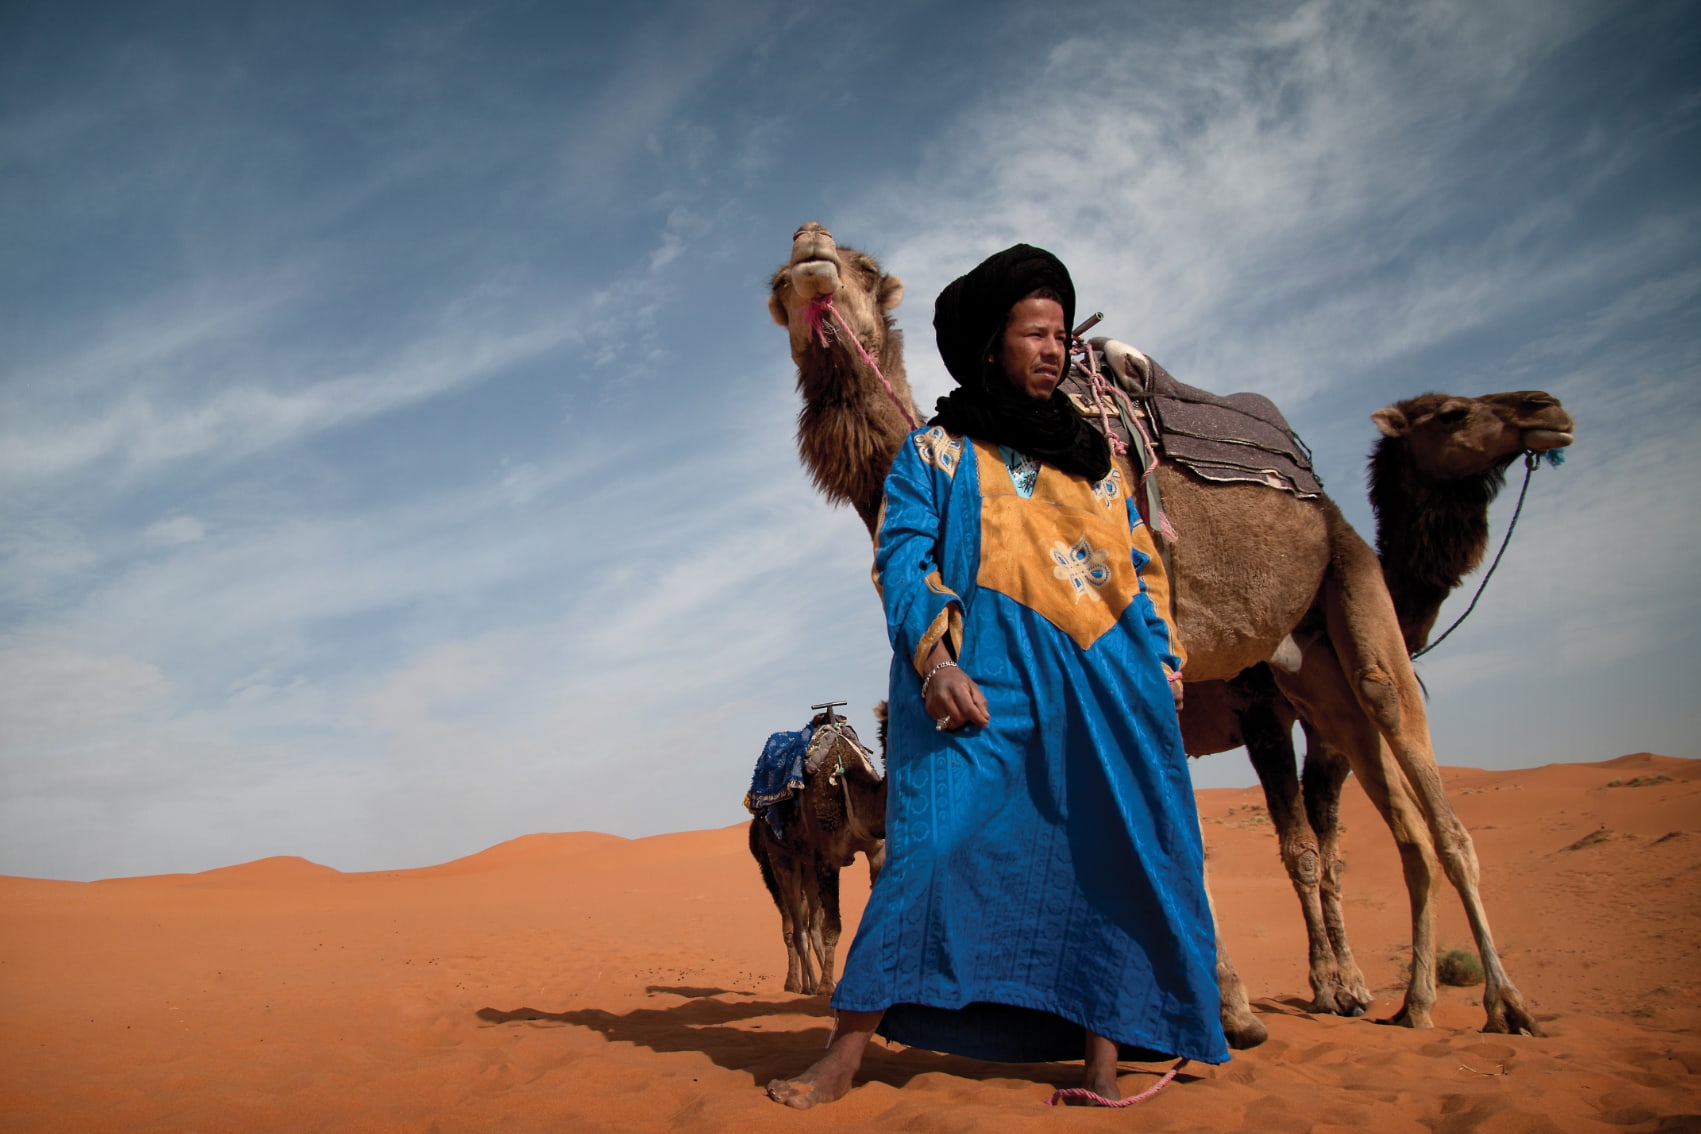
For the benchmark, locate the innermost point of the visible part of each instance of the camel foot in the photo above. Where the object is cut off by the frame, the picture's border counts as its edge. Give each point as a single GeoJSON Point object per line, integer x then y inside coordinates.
{"type": "Point", "coordinates": [1509, 1017]}
{"type": "Point", "coordinates": [829, 1080]}
{"type": "Point", "coordinates": [1337, 1000]}
{"type": "Point", "coordinates": [825, 988]}
{"type": "Point", "coordinates": [1409, 1017]}
{"type": "Point", "coordinates": [1245, 1032]}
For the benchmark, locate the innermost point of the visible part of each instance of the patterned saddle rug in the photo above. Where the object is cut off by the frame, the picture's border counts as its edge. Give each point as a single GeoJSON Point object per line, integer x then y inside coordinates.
{"type": "Point", "coordinates": [788, 757]}
{"type": "Point", "coordinates": [1238, 437]}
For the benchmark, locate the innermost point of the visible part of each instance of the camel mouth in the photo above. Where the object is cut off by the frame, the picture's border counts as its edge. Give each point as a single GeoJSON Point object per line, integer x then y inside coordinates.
{"type": "Point", "coordinates": [815, 277]}
{"type": "Point", "coordinates": [1541, 440]}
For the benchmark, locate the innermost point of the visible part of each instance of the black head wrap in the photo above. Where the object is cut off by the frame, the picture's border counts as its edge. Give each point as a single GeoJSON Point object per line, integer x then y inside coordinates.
{"type": "Point", "coordinates": [968, 319]}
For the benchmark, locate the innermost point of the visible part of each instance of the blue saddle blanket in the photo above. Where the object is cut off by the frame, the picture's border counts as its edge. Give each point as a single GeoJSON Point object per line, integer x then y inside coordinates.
{"type": "Point", "coordinates": [778, 776]}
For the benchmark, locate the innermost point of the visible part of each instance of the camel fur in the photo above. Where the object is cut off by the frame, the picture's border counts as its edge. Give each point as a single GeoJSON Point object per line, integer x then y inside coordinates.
{"type": "Point", "coordinates": [1257, 575]}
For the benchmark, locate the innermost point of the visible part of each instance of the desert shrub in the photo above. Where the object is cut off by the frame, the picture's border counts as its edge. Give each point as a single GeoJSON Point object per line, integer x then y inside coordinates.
{"type": "Point", "coordinates": [1458, 967]}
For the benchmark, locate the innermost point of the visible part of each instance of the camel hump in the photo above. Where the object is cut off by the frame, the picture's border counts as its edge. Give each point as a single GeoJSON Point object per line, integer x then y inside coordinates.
{"type": "Point", "coordinates": [1220, 437]}
{"type": "Point", "coordinates": [835, 742]}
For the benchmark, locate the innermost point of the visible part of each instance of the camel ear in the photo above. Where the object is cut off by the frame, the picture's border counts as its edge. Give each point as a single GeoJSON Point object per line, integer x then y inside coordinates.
{"type": "Point", "coordinates": [1391, 421]}
{"type": "Point", "coordinates": [891, 291]}
{"type": "Point", "coordinates": [778, 310]}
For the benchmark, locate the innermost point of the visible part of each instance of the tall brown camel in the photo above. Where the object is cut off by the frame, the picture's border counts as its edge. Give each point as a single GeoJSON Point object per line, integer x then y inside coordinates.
{"type": "Point", "coordinates": [1258, 575]}
{"type": "Point", "coordinates": [1441, 462]}
{"type": "Point", "coordinates": [840, 811]}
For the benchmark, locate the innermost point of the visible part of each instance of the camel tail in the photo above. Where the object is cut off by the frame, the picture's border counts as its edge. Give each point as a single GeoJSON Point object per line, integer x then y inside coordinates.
{"type": "Point", "coordinates": [759, 851]}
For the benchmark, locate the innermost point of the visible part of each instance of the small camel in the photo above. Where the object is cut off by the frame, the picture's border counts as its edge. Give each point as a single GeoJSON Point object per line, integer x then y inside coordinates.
{"type": "Point", "coordinates": [1258, 576]}
{"type": "Point", "coordinates": [840, 811]}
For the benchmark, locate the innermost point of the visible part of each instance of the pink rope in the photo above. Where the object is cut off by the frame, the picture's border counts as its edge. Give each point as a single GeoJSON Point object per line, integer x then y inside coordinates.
{"type": "Point", "coordinates": [1093, 1098]}
{"type": "Point", "coordinates": [813, 315]}
{"type": "Point", "coordinates": [1103, 393]}
{"type": "Point", "coordinates": [1099, 396]}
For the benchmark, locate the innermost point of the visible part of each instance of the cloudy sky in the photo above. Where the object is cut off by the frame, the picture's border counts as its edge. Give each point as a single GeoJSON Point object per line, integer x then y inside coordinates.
{"type": "Point", "coordinates": [396, 453]}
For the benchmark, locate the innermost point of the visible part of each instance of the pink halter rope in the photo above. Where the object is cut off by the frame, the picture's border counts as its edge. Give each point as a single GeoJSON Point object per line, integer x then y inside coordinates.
{"type": "Point", "coordinates": [1093, 1098]}
{"type": "Point", "coordinates": [825, 303]}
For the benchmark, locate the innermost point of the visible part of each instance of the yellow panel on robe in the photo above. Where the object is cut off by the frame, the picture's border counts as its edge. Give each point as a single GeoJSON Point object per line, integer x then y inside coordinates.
{"type": "Point", "coordinates": [1063, 553]}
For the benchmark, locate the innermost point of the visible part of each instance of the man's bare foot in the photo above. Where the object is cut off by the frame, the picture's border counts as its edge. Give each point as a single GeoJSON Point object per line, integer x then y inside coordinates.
{"type": "Point", "coordinates": [829, 1080]}
{"type": "Point", "coordinates": [1103, 1086]}
{"type": "Point", "coordinates": [1099, 1074]}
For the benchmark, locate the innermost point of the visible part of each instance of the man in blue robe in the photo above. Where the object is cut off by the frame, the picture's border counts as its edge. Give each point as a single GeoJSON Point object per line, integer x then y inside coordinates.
{"type": "Point", "coordinates": [1043, 897]}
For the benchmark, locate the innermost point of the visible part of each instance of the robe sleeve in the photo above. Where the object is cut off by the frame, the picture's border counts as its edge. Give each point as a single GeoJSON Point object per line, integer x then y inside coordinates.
{"type": "Point", "coordinates": [1155, 585]}
{"type": "Point", "coordinates": [920, 608]}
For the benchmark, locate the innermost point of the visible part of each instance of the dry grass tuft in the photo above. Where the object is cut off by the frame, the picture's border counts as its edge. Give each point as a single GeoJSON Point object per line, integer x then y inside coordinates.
{"type": "Point", "coordinates": [1458, 967]}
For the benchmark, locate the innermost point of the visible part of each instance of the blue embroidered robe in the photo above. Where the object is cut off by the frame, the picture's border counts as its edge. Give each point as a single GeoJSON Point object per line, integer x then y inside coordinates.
{"type": "Point", "coordinates": [1044, 874]}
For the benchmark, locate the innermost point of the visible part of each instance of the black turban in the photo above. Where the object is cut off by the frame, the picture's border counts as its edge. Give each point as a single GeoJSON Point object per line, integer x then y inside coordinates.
{"type": "Point", "coordinates": [968, 319]}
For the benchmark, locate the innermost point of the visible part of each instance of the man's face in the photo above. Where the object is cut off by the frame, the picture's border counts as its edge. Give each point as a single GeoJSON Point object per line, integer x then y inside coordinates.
{"type": "Point", "coordinates": [1035, 347]}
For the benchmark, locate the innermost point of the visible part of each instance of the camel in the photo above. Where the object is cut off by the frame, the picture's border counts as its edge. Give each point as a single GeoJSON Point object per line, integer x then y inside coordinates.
{"type": "Point", "coordinates": [1440, 463]}
{"type": "Point", "coordinates": [1257, 576]}
{"type": "Point", "coordinates": [840, 811]}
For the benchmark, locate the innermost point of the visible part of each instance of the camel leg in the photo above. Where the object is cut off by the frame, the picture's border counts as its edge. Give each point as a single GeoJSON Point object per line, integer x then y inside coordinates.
{"type": "Point", "coordinates": [1325, 700]}
{"type": "Point", "coordinates": [1325, 774]}
{"type": "Point", "coordinates": [794, 924]}
{"type": "Point", "coordinates": [789, 887]}
{"type": "Point", "coordinates": [1365, 632]}
{"type": "Point", "coordinates": [800, 934]}
{"type": "Point", "coordinates": [827, 886]}
{"type": "Point", "coordinates": [1269, 743]}
{"type": "Point", "coordinates": [780, 884]}
{"type": "Point", "coordinates": [811, 946]}
{"type": "Point", "coordinates": [1241, 1028]}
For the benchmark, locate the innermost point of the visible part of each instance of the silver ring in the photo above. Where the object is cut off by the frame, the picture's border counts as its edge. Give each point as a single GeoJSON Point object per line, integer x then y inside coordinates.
{"type": "Point", "coordinates": [939, 725]}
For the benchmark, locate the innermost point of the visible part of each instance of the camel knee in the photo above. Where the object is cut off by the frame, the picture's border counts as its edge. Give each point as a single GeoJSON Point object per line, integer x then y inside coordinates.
{"type": "Point", "coordinates": [1303, 863]}
{"type": "Point", "coordinates": [1380, 697]}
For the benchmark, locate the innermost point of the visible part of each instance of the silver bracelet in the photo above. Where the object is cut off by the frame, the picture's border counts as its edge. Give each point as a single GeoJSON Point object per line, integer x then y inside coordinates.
{"type": "Point", "coordinates": [928, 680]}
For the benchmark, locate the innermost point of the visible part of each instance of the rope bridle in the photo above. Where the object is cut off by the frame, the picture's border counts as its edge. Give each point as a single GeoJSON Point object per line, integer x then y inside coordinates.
{"type": "Point", "coordinates": [824, 303]}
{"type": "Point", "coordinates": [1531, 460]}
{"type": "Point", "coordinates": [842, 778]}
{"type": "Point", "coordinates": [842, 736]}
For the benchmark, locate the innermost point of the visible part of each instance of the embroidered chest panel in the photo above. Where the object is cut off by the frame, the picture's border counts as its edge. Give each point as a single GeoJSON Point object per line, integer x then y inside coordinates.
{"type": "Point", "coordinates": [1062, 548]}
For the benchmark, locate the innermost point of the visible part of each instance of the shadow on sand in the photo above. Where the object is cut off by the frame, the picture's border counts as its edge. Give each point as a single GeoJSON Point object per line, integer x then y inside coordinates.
{"type": "Point", "coordinates": [724, 1026]}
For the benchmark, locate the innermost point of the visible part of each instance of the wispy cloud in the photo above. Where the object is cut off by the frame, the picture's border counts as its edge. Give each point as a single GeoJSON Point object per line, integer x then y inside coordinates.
{"type": "Point", "coordinates": [666, 60]}
{"type": "Point", "coordinates": [1269, 174]}
{"type": "Point", "coordinates": [229, 411]}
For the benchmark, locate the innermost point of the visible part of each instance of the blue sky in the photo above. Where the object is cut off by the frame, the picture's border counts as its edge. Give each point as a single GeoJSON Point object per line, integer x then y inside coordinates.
{"type": "Point", "coordinates": [396, 453]}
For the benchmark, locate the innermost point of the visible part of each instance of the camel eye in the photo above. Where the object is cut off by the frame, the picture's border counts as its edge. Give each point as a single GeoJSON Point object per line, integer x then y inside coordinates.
{"type": "Point", "coordinates": [1452, 415]}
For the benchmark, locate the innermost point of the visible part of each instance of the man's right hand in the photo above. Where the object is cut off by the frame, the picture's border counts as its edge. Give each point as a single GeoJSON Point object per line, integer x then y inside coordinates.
{"type": "Point", "coordinates": [954, 700]}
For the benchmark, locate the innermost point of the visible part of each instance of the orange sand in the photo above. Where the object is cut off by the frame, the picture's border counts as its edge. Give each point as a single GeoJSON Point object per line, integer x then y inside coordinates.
{"type": "Point", "coordinates": [585, 982]}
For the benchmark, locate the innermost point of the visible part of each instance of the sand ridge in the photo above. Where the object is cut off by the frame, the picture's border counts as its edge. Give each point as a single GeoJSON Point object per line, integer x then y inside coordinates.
{"type": "Point", "coordinates": [588, 982]}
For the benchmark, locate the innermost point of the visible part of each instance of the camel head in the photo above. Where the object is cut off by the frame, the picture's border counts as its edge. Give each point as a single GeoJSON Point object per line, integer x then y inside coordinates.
{"type": "Point", "coordinates": [854, 415]}
{"type": "Point", "coordinates": [820, 272]}
{"type": "Point", "coordinates": [1452, 438]}
{"type": "Point", "coordinates": [1441, 462]}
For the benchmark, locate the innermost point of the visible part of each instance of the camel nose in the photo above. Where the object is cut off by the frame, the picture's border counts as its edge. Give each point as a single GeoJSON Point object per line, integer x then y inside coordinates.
{"type": "Point", "coordinates": [814, 238]}
{"type": "Point", "coordinates": [814, 242]}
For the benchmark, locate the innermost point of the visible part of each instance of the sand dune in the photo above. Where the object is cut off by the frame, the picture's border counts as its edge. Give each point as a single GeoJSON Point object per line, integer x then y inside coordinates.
{"type": "Point", "coordinates": [585, 982]}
